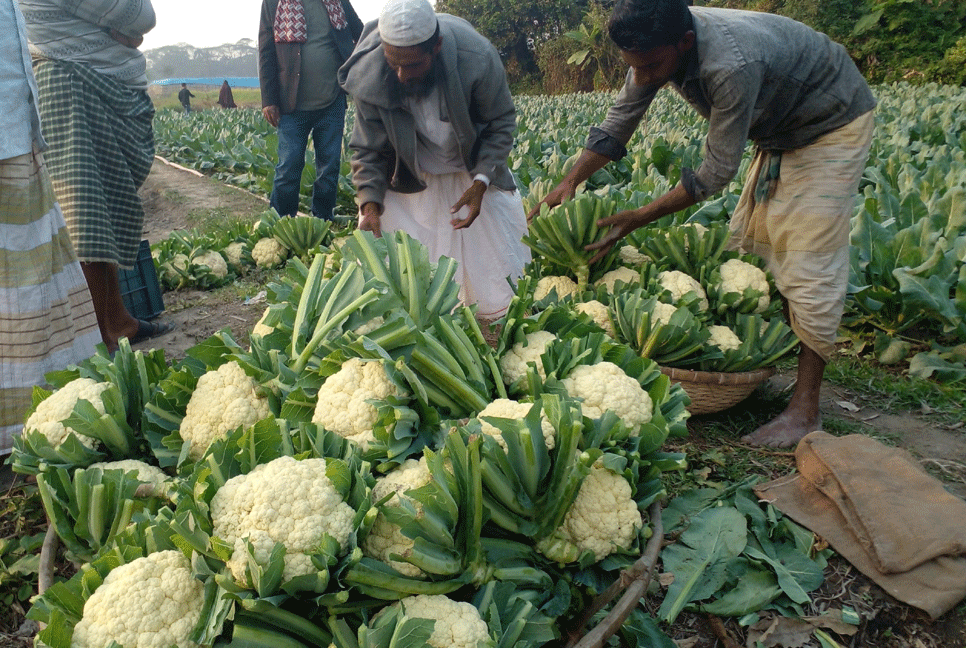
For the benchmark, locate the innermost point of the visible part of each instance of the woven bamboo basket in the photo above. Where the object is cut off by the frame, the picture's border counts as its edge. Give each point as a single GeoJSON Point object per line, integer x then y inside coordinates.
{"type": "Point", "coordinates": [713, 391]}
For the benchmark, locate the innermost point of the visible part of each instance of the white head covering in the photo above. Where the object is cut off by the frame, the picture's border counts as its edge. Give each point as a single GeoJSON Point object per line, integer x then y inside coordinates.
{"type": "Point", "coordinates": [404, 23]}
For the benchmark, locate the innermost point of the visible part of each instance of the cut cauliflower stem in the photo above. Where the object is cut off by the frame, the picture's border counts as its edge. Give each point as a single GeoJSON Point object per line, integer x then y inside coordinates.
{"type": "Point", "coordinates": [50, 414]}
{"type": "Point", "coordinates": [737, 275]}
{"type": "Point", "coordinates": [342, 406]}
{"type": "Point", "coordinates": [598, 312]}
{"type": "Point", "coordinates": [150, 602]}
{"type": "Point", "coordinates": [565, 287]}
{"type": "Point", "coordinates": [287, 501]}
{"type": "Point", "coordinates": [622, 274]}
{"type": "Point", "coordinates": [679, 284]}
{"type": "Point", "coordinates": [514, 362]}
{"type": "Point", "coordinates": [511, 409]}
{"type": "Point", "coordinates": [146, 472]}
{"type": "Point", "coordinates": [604, 386]}
{"type": "Point", "coordinates": [458, 625]}
{"type": "Point", "coordinates": [224, 399]}
{"type": "Point", "coordinates": [632, 256]}
{"type": "Point", "coordinates": [268, 252]}
{"type": "Point", "coordinates": [723, 338]}
{"type": "Point", "coordinates": [603, 518]}
{"type": "Point", "coordinates": [385, 537]}
{"type": "Point", "coordinates": [214, 261]}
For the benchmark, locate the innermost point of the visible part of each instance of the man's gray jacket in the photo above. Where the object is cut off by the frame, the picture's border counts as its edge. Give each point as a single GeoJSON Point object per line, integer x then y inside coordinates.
{"type": "Point", "coordinates": [279, 64]}
{"type": "Point", "coordinates": [473, 82]}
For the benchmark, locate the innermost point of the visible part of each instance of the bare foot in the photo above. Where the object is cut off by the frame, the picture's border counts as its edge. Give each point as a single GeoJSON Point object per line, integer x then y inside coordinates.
{"type": "Point", "coordinates": [784, 431]}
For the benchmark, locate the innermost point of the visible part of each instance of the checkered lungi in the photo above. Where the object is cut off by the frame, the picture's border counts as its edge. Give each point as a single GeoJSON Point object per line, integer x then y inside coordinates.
{"type": "Point", "coordinates": [101, 150]}
{"type": "Point", "coordinates": [46, 316]}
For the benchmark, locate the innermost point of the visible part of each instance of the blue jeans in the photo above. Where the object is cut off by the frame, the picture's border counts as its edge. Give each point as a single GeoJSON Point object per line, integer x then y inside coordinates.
{"type": "Point", "coordinates": [326, 127]}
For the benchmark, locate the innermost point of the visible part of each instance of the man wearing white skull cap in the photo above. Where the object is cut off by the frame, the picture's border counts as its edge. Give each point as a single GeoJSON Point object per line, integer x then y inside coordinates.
{"type": "Point", "coordinates": [433, 127]}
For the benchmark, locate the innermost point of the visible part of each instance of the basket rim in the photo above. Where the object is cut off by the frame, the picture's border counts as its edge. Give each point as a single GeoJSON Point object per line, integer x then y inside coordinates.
{"type": "Point", "coordinates": [718, 377]}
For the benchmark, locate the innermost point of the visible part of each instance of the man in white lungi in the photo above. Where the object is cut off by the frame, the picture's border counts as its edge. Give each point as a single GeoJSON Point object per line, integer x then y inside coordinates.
{"type": "Point", "coordinates": [434, 125]}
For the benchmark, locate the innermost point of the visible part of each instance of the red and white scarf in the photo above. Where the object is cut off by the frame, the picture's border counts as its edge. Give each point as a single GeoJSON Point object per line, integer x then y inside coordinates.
{"type": "Point", "coordinates": [289, 24]}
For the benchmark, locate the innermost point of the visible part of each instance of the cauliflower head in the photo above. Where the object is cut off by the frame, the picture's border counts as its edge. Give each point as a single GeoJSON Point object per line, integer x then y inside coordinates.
{"type": "Point", "coordinates": [269, 252]}
{"type": "Point", "coordinates": [223, 399]}
{"type": "Point", "coordinates": [368, 327]}
{"type": "Point", "coordinates": [604, 386]}
{"type": "Point", "coordinates": [235, 253]}
{"type": "Point", "coordinates": [565, 287]}
{"type": "Point", "coordinates": [150, 602]}
{"type": "Point", "coordinates": [632, 256]}
{"type": "Point", "coordinates": [599, 313]}
{"type": "Point", "coordinates": [147, 473]}
{"type": "Point", "coordinates": [385, 537]}
{"type": "Point", "coordinates": [214, 261]}
{"type": "Point", "coordinates": [723, 338]}
{"type": "Point", "coordinates": [622, 274]}
{"type": "Point", "coordinates": [738, 275]}
{"type": "Point", "coordinates": [458, 625]}
{"type": "Point", "coordinates": [261, 329]}
{"type": "Point", "coordinates": [514, 362]}
{"type": "Point", "coordinates": [511, 409]}
{"type": "Point", "coordinates": [49, 417]}
{"type": "Point", "coordinates": [603, 518]}
{"type": "Point", "coordinates": [288, 501]}
{"type": "Point", "coordinates": [342, 406]}
{"type": "Point", "coordinates": [680, 283]}
{"type": "Point", "coordinates": [662, 313]}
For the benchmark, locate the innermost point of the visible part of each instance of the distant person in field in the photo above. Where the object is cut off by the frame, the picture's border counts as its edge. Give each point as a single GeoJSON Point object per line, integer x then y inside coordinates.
{"type": "Point", "coordinates": [46, 316]}
{"type": "Point", "coordinates": [802, 101]}
{"type": "Point", "coordinates": [97, 119]}
{"type": "Point", "coordinates": [301, 44]}
{"type": "Point", "coordinates": [225, 98]}
{"type": "Point", "coordinates": [184, 96]}
{"type": "Point", "coordinates": [433, 127]}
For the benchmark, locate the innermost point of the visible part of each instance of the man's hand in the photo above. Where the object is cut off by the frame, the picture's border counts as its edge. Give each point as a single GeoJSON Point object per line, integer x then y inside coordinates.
{"type": "Point", "coordinates": [369, 218]}
{"type": "Point", "coordinates": [562, 192]}
{"type": "Point", "coordinates": [270, 113]}
{"type": "Point", "coordinates": [472, 199]}
{"type": "Point", "coordinates": [133, 42]}
{"type": "Point", "coordinates": [621, 224]}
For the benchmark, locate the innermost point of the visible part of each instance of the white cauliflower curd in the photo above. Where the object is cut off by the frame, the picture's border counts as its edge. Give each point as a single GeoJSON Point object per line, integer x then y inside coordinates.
{"type": "Point", "coordinates": [621, 274]}
{"type": "Point", "coordinates": [632, 256]}
{"type": "Point", "coordinates": [511, 409]}
{"type": "Point", "coordinates": [235, 253]}
{"type": "Point", "coordinates": [458, 625]}
{"type": "Point", "coordinates": [662, 313]}
{"type": "Point", "coordinates": [146, 472]}
{"type": "Point", "coordinates": [514, 362]}
{"type": "Point", "coordinates": [604, 386]}
{"type": "Point", "coordinates": [48, 418]}
{"type": "Point", "coordinates": [723, 338]}
{"type": "Point", "coordinates": [679, 284]}
{"type": "Point", "coordinates": [603, 518]}
{"type": "Point", "coordinates": [150, 602]}
{"type": "Point", "coordinates": [214, 262]}
{"type": "Point", "coordinates": [342, 406]}
{"type": "Point", "coordinates": [598, 312]}
{"type": "Point", "coordinates": [384, 537]}
{"type": "Point", "coordinates": [738, 275]}
{"type": "Point", "coordinates": [565, 287]}
{"type": "Point", "coordinates": [223, 399]}
{"type": "Point", "coordinates": [269, 252]}
{"type": "Point", "coordinates": [287, 501]}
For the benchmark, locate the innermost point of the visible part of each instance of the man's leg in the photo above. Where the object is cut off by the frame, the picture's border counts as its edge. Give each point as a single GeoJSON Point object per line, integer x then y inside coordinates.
{"type": "Point", "coordinates": [327, 135]}
{"type": "Point", "coordinates": [293, 136]}
{"type": "Point", "coordinates": [112, 317]}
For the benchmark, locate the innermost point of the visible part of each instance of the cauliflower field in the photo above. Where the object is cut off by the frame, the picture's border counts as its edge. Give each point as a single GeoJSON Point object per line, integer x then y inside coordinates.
{"type": "Point", "coordinates": [369, 471]}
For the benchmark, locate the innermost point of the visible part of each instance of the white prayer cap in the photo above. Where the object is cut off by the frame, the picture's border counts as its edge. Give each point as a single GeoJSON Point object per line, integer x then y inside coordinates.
{"type": "Point", "coordinates": [404, 23]}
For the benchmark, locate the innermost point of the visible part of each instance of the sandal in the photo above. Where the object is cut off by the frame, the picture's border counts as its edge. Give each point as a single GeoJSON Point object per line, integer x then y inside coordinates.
{"type": "Point", "coordinates": [148, 330]}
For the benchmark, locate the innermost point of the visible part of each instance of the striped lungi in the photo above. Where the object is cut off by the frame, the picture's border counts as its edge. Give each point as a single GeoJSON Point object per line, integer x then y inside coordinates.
{"type": "Point", "coordinates": [47, 319]}
{"type": "Point", "coordinates": [101, 149]}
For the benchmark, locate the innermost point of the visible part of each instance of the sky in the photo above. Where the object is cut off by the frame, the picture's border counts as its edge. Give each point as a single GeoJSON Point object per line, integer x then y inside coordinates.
{"type": "Point", "coordinates": [207, 23]}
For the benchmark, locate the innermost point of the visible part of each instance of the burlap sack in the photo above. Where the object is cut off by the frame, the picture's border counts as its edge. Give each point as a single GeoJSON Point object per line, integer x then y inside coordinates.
{"type": "Point", "coordinates": [880, 511]}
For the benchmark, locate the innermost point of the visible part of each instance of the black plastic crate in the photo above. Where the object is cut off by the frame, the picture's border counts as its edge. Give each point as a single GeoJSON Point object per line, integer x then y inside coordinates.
{"type": "Point", "coordinates": [140, 289]}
